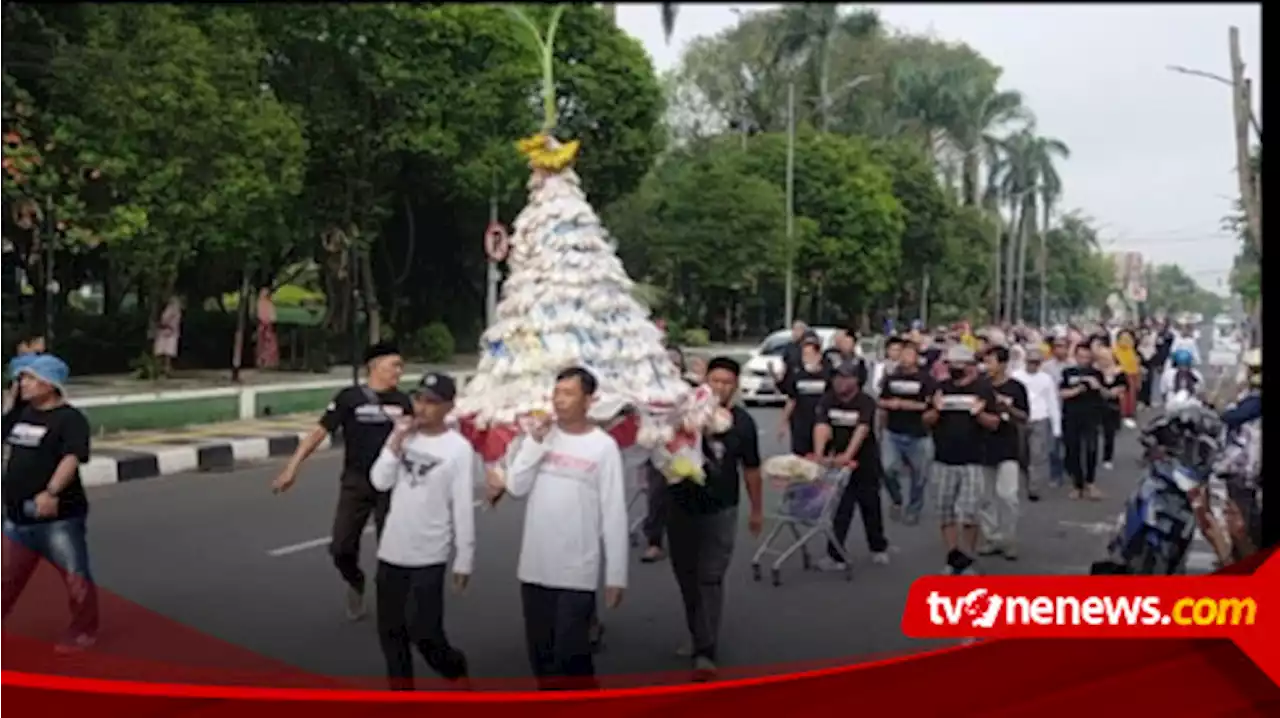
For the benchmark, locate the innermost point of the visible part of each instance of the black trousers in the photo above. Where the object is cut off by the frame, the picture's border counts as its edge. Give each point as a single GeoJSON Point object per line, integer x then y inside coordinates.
{"type": "Point", "coordinates": [701, 548]}
{"type": "Point", "coordinates": [357, 500]}
{"type": "Point", "coordinates": [411, 613]}
{"type": "Point", "coordinates": [1080, 442]}
{"type": "Point", "coordinates": [862, 492]}
{"type": "Point", "coordinates": [1110, 427]}
{"type": "Point", "coordinates": [557, 629]}
{"type": "Point", "coordinates": [655, 521]}
{"type": "Point", "coordinates": [801, 435]}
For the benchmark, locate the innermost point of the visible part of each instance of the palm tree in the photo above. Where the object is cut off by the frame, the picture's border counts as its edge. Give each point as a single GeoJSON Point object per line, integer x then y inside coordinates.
{"type": "Point", "coordinates": [981, 110]}
{"type": "Point", "coordinates": [1031, 183]}
{"type": "Point", "coordinates": [806, 37]}
{"type": "Point", "coordinates": [610, 10]}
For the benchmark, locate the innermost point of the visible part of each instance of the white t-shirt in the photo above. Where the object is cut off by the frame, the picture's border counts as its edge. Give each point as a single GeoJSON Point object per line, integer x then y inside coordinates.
{"type": "Point", "coordinates": [576, 501]}
{"type": "Point", "coordinates": [432, 501]}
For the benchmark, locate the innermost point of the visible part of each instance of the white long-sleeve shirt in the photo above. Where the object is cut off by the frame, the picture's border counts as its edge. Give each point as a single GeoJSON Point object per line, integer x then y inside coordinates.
{"type": "Point", "coordinates": [1170, 376]}
{"type": "Point", "coordinates": [576, 502]}
{"type": "Point", "coordinates": [432, 494]}
{"type": "Point", "coordinates": [1043, 398]}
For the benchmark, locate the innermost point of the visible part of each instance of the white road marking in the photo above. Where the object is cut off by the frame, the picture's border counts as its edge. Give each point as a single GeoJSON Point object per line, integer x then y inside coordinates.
{"type": "Point", "coordinates": [324, 541]}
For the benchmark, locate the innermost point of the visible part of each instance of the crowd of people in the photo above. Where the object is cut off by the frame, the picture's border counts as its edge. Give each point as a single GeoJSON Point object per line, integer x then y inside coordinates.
{"type": "Point", "coordinates": [977, 419]}
{"type": "Point", "coordinates": [981, 418]}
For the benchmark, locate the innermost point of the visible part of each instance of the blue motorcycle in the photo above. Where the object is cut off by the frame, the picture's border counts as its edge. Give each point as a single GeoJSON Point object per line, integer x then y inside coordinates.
{"type": "Point", "coordinates": [1160, 517]}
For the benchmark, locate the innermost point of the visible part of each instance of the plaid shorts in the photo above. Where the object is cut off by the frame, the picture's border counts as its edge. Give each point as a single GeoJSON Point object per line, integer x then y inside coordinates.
{"type": "Point", "coordinates": [958, 491]}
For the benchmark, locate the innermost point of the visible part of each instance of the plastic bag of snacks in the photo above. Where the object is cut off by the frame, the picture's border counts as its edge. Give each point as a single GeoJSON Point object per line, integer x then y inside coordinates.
{"type": "Point", "coordinates": [790, 469]}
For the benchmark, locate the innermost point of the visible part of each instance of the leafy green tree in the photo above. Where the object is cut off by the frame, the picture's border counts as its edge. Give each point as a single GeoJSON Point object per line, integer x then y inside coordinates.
{"type": "Point", "coordinates": [172, 119]}
{"type": "Point", "coordinates": [1171, 290]}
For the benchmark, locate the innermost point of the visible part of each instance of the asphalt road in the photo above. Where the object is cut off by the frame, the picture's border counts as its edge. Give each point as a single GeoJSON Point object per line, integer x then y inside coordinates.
{"type": "Point", "coordinates": [219, 553]}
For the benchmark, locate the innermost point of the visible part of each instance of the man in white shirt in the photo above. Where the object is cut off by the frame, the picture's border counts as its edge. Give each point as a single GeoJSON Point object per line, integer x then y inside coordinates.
{"type": "Point", "coordinates": [1054, 365]}
{"type": "Point", "coordinates": [572, 474]}
{"type": "Point", "coordinates": [1044, 421]}
{"type": "Point", "coordinates": [429, 470]}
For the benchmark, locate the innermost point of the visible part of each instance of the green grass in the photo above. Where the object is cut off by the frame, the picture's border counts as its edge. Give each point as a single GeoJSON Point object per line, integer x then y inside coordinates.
{"type": "Point", "coordinates": [162, 414]}
{"type": "Point", "coordinates": [279, 403]}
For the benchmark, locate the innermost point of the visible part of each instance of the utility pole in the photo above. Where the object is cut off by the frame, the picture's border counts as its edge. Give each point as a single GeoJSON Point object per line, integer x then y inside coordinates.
{"type": "Point", "coordinates": [791, 199]}
{"type": "Point", "coordinates": [353, 257]}
{"type": "Point", "coordinates": [1250, 184]}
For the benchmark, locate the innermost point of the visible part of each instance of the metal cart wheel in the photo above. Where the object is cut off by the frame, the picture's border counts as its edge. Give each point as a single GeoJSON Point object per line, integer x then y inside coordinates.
{"type": "Point", "coordinates": [755, 572]}
{"type": "Point", "coordinates": [777, 577]}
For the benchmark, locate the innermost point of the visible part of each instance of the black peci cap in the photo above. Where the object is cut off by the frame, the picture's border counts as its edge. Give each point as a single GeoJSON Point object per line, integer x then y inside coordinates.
{"type": "Point", "coordinates": [381, 349]}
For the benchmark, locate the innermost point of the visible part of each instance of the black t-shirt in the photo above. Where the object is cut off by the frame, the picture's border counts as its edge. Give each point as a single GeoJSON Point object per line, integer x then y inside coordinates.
{"type": "Point", "coordinates": [366, 418]}
{"type": "Point", "coordinates": [958, 438]}
{"type": "Point", "coordinates": [725, 456]}
{"type": "Point", "coordinates": [912, 384]}
{"type": "Point", "coordinates": [1087, 403]}
{"type": "Point", "coordinates": [844, 417]}
{"type": "Point", "coordinates": [1118, 380]}
{"type": "Point", "coordinates": [1005, 443]}
{"type": "Point", "coordinates": [807, 389]}
{"type": "Point", "coordinates": [38, 441]}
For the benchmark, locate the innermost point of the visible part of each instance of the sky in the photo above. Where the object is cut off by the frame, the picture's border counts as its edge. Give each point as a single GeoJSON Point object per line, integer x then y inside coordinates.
{"type": "Point", "coordinates": [1152, 151]}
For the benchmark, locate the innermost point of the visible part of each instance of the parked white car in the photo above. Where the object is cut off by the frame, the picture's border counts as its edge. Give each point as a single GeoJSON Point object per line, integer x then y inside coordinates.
{"type": "Point", "coordinates": [758, 385]}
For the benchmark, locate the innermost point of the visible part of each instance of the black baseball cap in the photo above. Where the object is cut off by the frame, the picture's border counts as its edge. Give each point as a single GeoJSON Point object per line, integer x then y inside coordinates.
{"type": "Point", "coordinates": [812, 339]}
{"type": "Point", "coordinates": [436, 387]}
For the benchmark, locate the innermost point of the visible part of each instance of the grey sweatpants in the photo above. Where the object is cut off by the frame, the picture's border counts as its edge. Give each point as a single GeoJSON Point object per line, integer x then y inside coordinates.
{"type": "Point", "coordinates": [700, 547]}
{"type": "Point", "coordinates": [1039, 445]}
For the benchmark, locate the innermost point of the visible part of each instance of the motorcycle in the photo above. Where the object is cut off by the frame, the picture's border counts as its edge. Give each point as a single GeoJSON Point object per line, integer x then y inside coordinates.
{"type": "Point", "coordinates": [1161, 516]}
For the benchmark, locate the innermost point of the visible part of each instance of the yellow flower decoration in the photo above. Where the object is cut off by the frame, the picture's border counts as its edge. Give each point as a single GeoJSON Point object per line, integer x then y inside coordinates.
{"type": "Point", "coordinates": [546, 154]}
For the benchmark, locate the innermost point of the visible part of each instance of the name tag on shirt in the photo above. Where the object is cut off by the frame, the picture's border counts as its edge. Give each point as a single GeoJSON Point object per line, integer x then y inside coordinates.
{"type": "Point", "coordinates": [842, 417]}
{"type": "Point", "coordinates": [904, 387]}
{"type": "Point", "coordinates": [574, 468]}
{"type": "Point", "coordinates": [811, 386]}
{"type": "Point", "coordinates": [28, 435]}
{"type": "Point", "coordinates": [378, 413]}
{"type": "Point", "coordinates": [959, 402]}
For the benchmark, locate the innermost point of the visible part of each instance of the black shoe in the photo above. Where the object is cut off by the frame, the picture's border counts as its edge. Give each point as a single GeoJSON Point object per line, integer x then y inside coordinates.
{"type": "Point", "coordinates": [1033, 497]}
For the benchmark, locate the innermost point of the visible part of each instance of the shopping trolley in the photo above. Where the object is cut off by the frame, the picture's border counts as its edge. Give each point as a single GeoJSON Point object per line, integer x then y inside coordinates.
{"type": "Point", "coordinates": [807, 510]}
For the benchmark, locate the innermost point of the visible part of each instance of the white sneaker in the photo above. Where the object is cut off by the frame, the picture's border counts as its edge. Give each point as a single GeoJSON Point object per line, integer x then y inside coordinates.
{"type": "Point", "coordinates": [685, 650]}
{"type": "Point", "coordinates": [827, 564]}
{"type": "Point", "coordinates": [704, 669]}
{"type": "Point", "coordinates": [355, 604]}
{"type": "Point", "coordinates": [1108, 465]}
{"type": "Point", "coordinates": [1130, 424]}
{"type": "Point", "coordinates": [881, 558]}
{"type": "Point", "coordinates": [75, 644]}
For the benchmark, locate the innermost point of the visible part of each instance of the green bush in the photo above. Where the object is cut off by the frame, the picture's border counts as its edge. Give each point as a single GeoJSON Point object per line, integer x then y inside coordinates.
{"type": "Point", "coordinates": [433, 343]}
{"type": "Point", "coordinates": [695, 338]}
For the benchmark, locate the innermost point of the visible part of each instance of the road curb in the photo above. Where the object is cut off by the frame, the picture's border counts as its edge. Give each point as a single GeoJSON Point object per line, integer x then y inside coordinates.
{"type": "Point", "coordinates": [119, 465]}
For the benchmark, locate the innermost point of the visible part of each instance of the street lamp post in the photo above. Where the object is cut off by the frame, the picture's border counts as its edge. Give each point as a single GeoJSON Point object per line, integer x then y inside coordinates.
{"type": "Point", "coordinates": [791, 199]}
{"type": "Point", "coordinates": [791, 184]}
{"type": "Point", "coordinates": [491, 276]}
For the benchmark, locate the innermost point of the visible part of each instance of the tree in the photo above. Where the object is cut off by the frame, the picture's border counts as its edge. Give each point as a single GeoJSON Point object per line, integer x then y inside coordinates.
{"type": "Point", "coordinates": [171, 117]}
{"type": "Point", "coordinates": [1172, 291]}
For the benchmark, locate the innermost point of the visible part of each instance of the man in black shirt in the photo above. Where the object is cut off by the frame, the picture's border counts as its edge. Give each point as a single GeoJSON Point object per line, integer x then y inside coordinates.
{"type": "Point", "coordinates": [1082, 405]}
{"type": "Point", "coordinates": [366, 414]}
{"type": "Point", "coordinates": [791, 359]}
{"type": "Point", "coordinates": [845, 437]}
{"type": "Point", "coordinates": [962, 419]}
{"type": "Point", "coordinates": [702, 521]}
{"type": "Point", "coordinates": [999, 513]}
{"type": "Point", "coordinates": [904, 398]}
{"type": "Point", "coordinates": [45, 506]}
{"type": "Point", "coordinates": [806, 388]}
